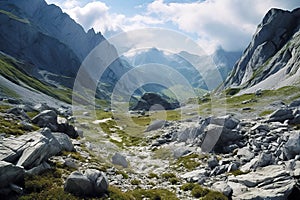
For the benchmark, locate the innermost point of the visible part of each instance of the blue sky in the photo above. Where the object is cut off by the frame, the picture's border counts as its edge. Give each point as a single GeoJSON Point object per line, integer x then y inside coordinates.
{"type": "Point", "coordinates": [211, 23]}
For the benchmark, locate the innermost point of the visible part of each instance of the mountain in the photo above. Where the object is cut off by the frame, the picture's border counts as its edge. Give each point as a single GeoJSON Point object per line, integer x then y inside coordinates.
{"type": "Point", "coordinates": [43, 37]}
{"type": "Point", "coordinates": [223, 60]}
{"type": "Point", "coordinates": [272, 58]}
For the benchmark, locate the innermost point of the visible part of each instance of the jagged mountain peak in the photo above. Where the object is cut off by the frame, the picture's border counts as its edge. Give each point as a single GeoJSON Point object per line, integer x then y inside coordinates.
{"type": "Point", "coordinates": [276, 30]}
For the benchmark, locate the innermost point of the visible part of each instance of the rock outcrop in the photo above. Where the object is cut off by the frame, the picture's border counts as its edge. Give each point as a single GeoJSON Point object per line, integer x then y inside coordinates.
{"type": "Point", "coordinates": [155, 102]}
{"type": "Point", "coordinates": [273, 54]}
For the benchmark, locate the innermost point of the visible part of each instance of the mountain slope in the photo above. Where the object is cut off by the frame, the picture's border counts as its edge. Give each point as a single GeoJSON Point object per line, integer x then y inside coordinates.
{"type": "Point", "coordinates": [224, 61]}
{"type": "Point", "coordinates": [272, 58]}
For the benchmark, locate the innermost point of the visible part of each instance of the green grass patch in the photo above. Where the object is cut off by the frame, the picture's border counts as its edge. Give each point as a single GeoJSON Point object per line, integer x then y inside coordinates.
{"type": "Point", "coordinates": [191, 161]}
{"type": "Point", "coordinates": [14, 17]}
{"type": "Point", "coordinates": [232, 91]}
{"type": "Point", "coordinates": [188, 186]}
{"type": "Point", "coordinates": [13, 71]}
{"type": "Point", "coordinates": [265, 113]}
{"type": "Point", "coordinates": [135, 182]}
{"type": "Point", "coordinates": [153, 194]}
{"type": "Point", "coordinates": [124, 175]}
{"type": "Point", "coordinates": [48, 185]}
{"type": "Point", "coordinates": [152, 175]}
{"type": "Point", "coordinates": [11, 127]}
{"type": "Point", "coordinates": [199, 191]}
{"type": "Point", "coordinates": [238, 172]}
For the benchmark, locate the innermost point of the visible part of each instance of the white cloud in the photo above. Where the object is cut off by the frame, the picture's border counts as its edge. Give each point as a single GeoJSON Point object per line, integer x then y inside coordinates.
{"type": "Point", "coordinates": [226, 23]}
{"type": "Point", "coordinates": [229, 23]}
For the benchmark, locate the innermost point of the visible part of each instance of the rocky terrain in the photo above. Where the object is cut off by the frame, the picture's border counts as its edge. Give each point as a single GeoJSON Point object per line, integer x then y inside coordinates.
{"type": "Point", "coordinates": [241, 141]}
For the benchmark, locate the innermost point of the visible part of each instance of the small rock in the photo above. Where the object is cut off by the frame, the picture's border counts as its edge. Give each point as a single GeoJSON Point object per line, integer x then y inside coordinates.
{"type": "Point", "coordinates": [119, 159]}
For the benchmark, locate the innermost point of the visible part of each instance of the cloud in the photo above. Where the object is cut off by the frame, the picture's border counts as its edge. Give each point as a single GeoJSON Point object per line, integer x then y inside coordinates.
{"type": "Point", "coordinates": [229, 23]}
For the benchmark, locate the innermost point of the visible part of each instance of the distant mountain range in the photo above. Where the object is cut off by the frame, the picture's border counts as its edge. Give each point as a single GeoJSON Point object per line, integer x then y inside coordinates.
{"type": "Point", "coordinates": [223, 61]}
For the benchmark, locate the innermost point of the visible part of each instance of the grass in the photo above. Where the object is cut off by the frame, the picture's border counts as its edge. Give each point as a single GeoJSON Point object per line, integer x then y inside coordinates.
{"type": "Point", "coordinates": [11, 127]}
{"type": "Point", "coordinates": [135, 182]}
{"type": "Point", "coordinates": [140, 194]}
{"type": "Point", "coordinates": [187, 186]}
{"type": "Point", "coordinates": [125, 176]}
{"type": "Point", "coordinates": [8, 92]}
{"type": "Point", "coordinates": [238, 172]}
{"type": "Point", "coordinates": [152, 175]}
{"type": "Point", "coordinates": [14, 17]}
{"type": "Point", "coordinates": [191, 161]}
{"type": "Point", "coordinates": [265, 113]}
{"type": "Point", "coordinates": [48, 185]}
{"type": "Point", "coordinates": [12, 70]}
{"type": "Point", "coordinates": [163, 153]}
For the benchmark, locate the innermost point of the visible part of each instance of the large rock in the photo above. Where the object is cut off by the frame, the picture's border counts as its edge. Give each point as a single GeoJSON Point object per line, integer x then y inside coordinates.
{"type": "Point", "coordinates": [18, 112]}
{"type": "Point", "coordinates": [292, 146]}
{"type": "Point", "coordinates": [39, 146]}
{"type": "Point", "coordinates": [47, 118]}
{"type": "Point", "coordinates": [281, 115]}
{"type": "Point", "coordinates": [119, 159]}
{"type": "Point", "coordinates": [64, 141]}
{"type": "Point", "coordinates": [272, 182]}
{"type": "Point", "coordinates": [10, 174]}
{"type": "Point", "coordinates": [151, 99]}
{"type": "Point", "coordinates": [78, 184]}
{"type": "Point", "coordinates": [91, 183]}
{"type": "Point", "coordinates": [99, 180]}
{"type": "Point", "coordinates": [157, 124]}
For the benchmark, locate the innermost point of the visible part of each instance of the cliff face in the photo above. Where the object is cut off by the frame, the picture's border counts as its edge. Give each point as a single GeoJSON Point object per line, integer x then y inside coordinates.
{"type": "Point", "coordinates": [273, 52]}
{"type": "Point", "coordinates": [53, 44]}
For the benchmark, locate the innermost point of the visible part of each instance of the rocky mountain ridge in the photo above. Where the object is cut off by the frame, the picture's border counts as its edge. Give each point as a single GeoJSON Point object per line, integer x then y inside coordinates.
{"type": "Point", "coordinates": [273, 54]}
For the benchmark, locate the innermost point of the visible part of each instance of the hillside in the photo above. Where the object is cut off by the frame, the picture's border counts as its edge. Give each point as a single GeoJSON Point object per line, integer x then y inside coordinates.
{"type": "Point", "coordinates": [272, 58]}
{"type": "Point", "coordinates": [239, 142]}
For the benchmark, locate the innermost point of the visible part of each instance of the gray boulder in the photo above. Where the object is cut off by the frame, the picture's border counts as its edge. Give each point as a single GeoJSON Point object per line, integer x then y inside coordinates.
{"type": "Point", "coordinates": [272, 182]}
{"type": "Point", "coordinates": [245, 154]}
{"type": "Point", "coordinates": [212, 162]}
{"type": "Point", "coordinates": [157, 124]}
{"type": "Point", "coordinates": [18, 112]}
{"type": "Point", "coordinates": [223, 187]}
{"type": "Point", "coordinates": [64, 141]}
{"type": "Point", "coordinates": [281, 115]}
{"type": "Point", "coordinates": [47, 118]}
{"type": "Point", "coordinates": [98, 179]}
{"type": "Point", "coordinates": [119, 159]}
{"type": "Point", "coordinates": [227, 121]}
{"type": "Point", "coordinates": [10, 174]}
{"type": "Point", "coordinates": [295, 103]}
{"type": "Point", "coordinates": [39, 169]}
{"type": "Point", "coordinates": [292, 146]}
{"type": "Point", "coordinates": [39, 147]}
{"type": "Point", "coordinates": [78, 184]}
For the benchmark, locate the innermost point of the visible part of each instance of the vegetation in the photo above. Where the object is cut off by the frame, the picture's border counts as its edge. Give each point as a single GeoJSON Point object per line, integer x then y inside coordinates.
{"type": "Point", "coordinates": [13, 71]}
{"type": "Point", "coordinates": [152, 175]}
{"type": "Point", "coordinates": [191, 161]}
{"type": "Point", "coordinates": [238, 172]}
{"type": "Point", "coordinates": [135, 182]}
{"type": "Point", "coordinates": [153, 194]}
{"type": "Point", "coordinates": [265, 112]}
{"type": "Point", "coordinates": [11, 127]}
{"type": "Point", "coordinates": [199, 191]}
{"type": "Point", "coordinates": [14, 17]}
{"type": "Point", "coordinates": [187, 186]}
{"type": "Point", "coordinates": [47, 185]}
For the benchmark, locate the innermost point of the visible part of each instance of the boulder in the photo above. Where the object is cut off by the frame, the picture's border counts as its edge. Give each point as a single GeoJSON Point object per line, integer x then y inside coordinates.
{"type": "Point", "coordinates": [281, 115]}
{"type": "Point", "coordinates": [157, 124]}
{"type": "Point", "coordinates": [10, 174]}
{"type": "Point", "coordinates": [119, 159]}
{"type": "Point", "coordinates": [212, 162]}
{"type": "Point", "coordinates": [245, 154]}
{"type": "Point", "coordinates": [47, 118]}
{"type": "Point", "coordinates": [272, 182]}
{"type": "Point", "coordinates": [223, 187]}
{"type": "Point", "coordinates": [295, 103]}
{"type": "Point", "coordinates": [151, 99]}
{"type": "Point", "coordinates": [18, 112]}
{"type": "Point", "coordinates": [39, 169]}
{"type": "Point", "coordinates": [39, 147]}
{"type": "Point", "coordinates": [292, 146]}
{"type": "Point", "coordinates": [64, 141]}
{"type": "Point", "coordinates": [78, 184]}
{"type": "Point", "coordinates": [68, 129]}
{"type": "Point", "coordinates": [99, 180]}
{"type": "Point", "coordinates": [227, 121]}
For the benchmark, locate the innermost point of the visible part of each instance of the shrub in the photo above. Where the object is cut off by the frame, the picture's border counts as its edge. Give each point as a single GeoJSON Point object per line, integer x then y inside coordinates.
{"type": "Point", "coordinates": [187, 186]}
{"type": "Point", "coordinates": [199, 191]}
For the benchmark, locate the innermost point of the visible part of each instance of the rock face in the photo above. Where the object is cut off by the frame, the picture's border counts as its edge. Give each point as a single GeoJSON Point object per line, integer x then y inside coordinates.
{"type": "Point", "coordinates": [91, 183]}
{"type": "Point", "coordinates": [271, 55]}
{"type": "Point", "coordinates": [271, 182]}
{"type": "Point", "coordinates": [150, 100]}
{"type": "Point", "coordinates": [30, 150]}
{"type": "Point", "coordinates": [292, 146]}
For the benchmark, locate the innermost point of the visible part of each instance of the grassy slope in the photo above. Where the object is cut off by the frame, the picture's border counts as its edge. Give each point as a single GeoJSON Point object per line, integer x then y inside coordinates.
{"type": "Point", "coordinates": [12, 70]}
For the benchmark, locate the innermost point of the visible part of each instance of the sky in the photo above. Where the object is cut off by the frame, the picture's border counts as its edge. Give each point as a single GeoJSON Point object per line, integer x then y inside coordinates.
{"type": "Point", "coordinates": [229, 24]}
